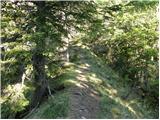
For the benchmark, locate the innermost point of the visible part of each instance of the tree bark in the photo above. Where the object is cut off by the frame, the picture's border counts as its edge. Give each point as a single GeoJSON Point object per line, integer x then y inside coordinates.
{"type": "Point", "coordinates": [39, 79]}
{"type": "Point", "coordinates": [38, 58]}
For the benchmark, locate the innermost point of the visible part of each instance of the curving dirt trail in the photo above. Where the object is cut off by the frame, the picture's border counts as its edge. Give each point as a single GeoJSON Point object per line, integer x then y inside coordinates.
{"type": "Point", "coordinates": [84, 99]}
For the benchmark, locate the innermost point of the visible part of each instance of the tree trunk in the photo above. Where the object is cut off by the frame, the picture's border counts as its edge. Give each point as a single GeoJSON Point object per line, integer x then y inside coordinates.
{"type": "Point", "coordinates": [146, 77]}
{"type": "Point", "coordinates": [39, 79]}
{"type": "Point", "coordinates": [38, 58]}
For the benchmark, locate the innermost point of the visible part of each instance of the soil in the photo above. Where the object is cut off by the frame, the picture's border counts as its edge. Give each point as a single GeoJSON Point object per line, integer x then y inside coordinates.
{"type": "Point", "coordinates": [84, 99]}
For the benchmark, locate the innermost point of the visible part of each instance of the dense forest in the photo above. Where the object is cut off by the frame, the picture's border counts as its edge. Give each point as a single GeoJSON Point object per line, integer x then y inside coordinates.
{"type": "Point", "coordinates": [79, 59]}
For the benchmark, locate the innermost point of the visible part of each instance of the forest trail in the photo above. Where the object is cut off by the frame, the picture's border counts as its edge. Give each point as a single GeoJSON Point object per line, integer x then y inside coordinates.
{"type": "Point", "coordinates": [85, 96]}
{"type": "Point", "coordinates": [80, 60]}
{"type": "Point", "coordinates": [92, 91]}
{"type": "Point", "coordinates": [94, 81]}
{"type": "Point", "coordinates": [84, 100]}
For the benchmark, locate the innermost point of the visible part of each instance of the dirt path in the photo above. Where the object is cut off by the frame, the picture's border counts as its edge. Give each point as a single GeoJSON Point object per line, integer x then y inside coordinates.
{"type": "Point", "coordinates": [84, 100]}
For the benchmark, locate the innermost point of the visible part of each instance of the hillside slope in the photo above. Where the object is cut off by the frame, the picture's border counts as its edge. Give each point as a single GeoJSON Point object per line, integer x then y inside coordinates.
{"type": "Point", "coordinates": [91, 90]}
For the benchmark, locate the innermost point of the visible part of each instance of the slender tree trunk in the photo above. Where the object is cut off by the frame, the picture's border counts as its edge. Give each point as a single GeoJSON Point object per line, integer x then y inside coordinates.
{"type": "Point", "coordinates": [146, 77]}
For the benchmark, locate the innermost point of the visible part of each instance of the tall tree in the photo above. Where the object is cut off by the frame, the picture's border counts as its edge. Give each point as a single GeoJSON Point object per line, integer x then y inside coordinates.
{"type": "Point", "coordinates": [38, 55]}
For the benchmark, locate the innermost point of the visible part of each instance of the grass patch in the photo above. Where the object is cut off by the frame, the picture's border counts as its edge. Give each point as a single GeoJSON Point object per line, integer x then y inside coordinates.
{"type": "Point", "coordinates": [113, 110]}
{"type": "Point", "coordinates": [66, 79]}
{"type": "Point", "coordinates": [112, 105]}
{"type": "Point", "coordinates": [53, 108]}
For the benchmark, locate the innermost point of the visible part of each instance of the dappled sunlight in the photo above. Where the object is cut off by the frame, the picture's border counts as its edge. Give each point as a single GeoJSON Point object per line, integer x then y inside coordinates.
{"type": "Point", "coordinates": [87, 65]}
{"type": "Point", "coordinates": [93, 79]}
{"type": "Point", "coordinates": [79, 44]}
{"type": "Point", "coordinates": [112, 93]}
{"type": "Point", "coordinates": [14, 96]}
{"type": "Point", "coordinates": [68, 64]}
{"type": "Point", "coordinates": [84, 66]}
{"type": "Point", "coordinates": [93, 75]}
{"type": "Point", "coordinates": [94, 96]}
{"type": "Point", "coordinates": [11, 61]}
{"type": "Point", "coordinates": [80, 84]}
{"type": "Point", "coordinates": [106, 85]}
{"type": "Point", "coordinates": [70, 82]}
{"type": "Point", "coordinates": [84, 59]}
{"type": "Point", "coordinates": [78, 71]}
{"type": "Point", "coordinates": [91, 94]}
{"type": "Point", "coordinates": [81, 78]}
{"type": "Point", "coordinates": [18, 88]}
{"type": "Point", "coordinates": [85, 85]}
